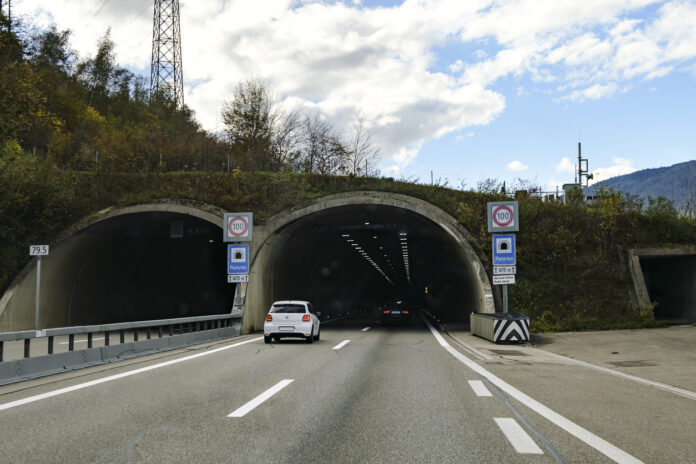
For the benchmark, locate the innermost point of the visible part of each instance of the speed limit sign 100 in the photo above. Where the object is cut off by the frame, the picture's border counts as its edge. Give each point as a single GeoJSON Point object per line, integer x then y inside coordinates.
{"type": "Point", "coordinates": [237, 227]}
{"type": "Point", "coordinates": [502, 216]}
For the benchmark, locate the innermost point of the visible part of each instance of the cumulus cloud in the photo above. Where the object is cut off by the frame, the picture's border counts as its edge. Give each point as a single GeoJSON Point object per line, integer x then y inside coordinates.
{"type": "Point", "coordinates": [517, 166]}
{"type": "Point", "coordinates": [566, 165]}
{"type": "Point", "coordinates": [343, 58]}
{"type": "Point", "coordinates": [620, 167]}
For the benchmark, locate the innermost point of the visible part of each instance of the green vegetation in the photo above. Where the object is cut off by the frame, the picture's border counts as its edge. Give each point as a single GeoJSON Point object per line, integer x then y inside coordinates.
{"type": "Point", "coordinates": [57, 113]}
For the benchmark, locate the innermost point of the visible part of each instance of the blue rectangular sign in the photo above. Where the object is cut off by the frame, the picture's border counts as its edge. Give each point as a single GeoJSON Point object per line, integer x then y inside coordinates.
{"type": "Point", "coordinates": [237, 259]}
{"type": "Point", "coordinates": [504, 252]}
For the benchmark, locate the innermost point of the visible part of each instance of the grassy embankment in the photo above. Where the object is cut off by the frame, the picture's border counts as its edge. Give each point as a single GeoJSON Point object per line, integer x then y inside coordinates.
{"type": "Point", "coordinates": [571, 274]}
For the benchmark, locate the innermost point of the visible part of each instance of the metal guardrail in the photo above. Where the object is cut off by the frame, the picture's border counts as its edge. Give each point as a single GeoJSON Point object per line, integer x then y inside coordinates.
{"type": "Point", "coordinates": [171, 326]}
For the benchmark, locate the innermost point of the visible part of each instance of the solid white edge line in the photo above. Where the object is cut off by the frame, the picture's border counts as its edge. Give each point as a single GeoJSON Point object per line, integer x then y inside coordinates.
{"type": "Point", "coordinates": [479, 388]}
{"type": "Point", "coordinates": [365, 329]}
{"type": "Point", "coordinates": [92, 383]}
{"type": "Point", "coordinates": [518, 438]}
{"type": "Point", "coordinates": [612, 452]}
{"type": "Point", "coordinates": [251, 405]}
{"type": "Point", "coordinates": [341, 345]}
{"type": "Point", "coordinates": [676, 390]}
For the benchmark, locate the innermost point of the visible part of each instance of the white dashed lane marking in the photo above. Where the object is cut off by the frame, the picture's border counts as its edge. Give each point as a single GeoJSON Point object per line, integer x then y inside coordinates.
{"type": "Point", "coordinates": [253, 404]}
{"type": "Point", "coordinates": [479, 388]}
{"type": "Point", "coordinates": [341, 345]}
{"type": "Point", "coordinates": [518, 438]}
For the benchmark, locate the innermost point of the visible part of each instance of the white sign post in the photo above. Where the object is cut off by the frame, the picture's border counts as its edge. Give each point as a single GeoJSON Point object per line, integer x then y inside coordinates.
{"type": "Point", "coordinates": [238, 227]}
{"type": "Point", "coordinates": [38, 251]}
{"type": "Point", "coordinates": [503, 217]}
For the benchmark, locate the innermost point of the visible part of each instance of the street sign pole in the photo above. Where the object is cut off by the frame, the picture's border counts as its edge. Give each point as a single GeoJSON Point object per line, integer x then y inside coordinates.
{"type": "Point", "coordinates": [505, 299]}
{"type": "Point", "coordinates": [38, 251]}
{"type": "Point", "coordinates": [38, 292]}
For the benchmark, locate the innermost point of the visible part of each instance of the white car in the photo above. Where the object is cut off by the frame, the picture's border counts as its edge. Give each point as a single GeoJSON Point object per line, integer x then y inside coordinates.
{"type": "Point", "coordinates": [291, 318]}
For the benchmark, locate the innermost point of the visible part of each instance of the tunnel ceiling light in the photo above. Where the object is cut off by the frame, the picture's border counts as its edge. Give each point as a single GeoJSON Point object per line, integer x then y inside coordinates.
{"type": "Point", "coordinates": [367, 223]}
{"type": "Point", "coordinates": [345, 235]}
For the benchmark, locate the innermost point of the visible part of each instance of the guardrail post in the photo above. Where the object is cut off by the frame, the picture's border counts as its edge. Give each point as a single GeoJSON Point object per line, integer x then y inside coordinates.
{"type": "Point", "coordinates": [26, 347]}
{"type": "Point", "coordinates": [148, 332]}
{"type": "Point", "coordinates": [71, 342]}
{"type": "Point", "coordinates": [181, 329]}
{"type": "Point", "coordinates": [198, 326]}
{"type": "Point", "coordinates": [171, 330]}
{"type": "Point", "coordinates": [50, 345]}
{"type": "Point", "coordinates": [136, 334]}
{"type": "Point", "coordinates": [123, 335]}
{"type": "Point", "coordinates": [160, 331]}
{"type": "Point", "coordinates": [89, 340]}
{"type": "Point", "coordinates": [107, 337]}
{"type": "Point", "coordinates": [2, 344]}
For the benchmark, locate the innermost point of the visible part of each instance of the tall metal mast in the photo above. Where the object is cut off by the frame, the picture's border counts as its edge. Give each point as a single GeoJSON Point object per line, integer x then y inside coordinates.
{"type": "Point", "coordinates": [166, 72]}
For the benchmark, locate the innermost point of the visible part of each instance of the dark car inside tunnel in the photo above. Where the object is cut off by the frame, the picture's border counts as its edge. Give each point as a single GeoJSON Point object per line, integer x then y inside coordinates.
{"type": "Point", "coordinates": [146, 266]}
{"type": "Point", "coordinates": [360, 257]}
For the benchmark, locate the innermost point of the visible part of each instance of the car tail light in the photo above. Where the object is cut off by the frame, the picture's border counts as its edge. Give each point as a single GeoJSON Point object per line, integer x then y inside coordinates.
{"type": "Point", "coordinates": [305, 318]}
{"type": "Point", "coordinates": [269, 318]}
{"type": "Point", "coordinates": [404, 311]}
{"type": "Point", "coordinates": [386, 311]}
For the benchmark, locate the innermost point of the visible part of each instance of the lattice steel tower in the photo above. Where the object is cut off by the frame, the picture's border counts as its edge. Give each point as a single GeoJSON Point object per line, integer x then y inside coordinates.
{"type": "Point", "coordinates": [166, 73]}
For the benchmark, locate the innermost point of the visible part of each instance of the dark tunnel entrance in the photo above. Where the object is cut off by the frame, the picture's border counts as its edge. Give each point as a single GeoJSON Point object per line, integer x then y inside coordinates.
{"type": "Point", "coordinates": [359, 257]}
{"type": "Point", "coordinates": [151, 265]}
{"type": "Point", "coordinates": [671, 282]}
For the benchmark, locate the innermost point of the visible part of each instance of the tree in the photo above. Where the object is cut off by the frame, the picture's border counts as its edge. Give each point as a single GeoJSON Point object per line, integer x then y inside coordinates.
{"type": "Point", "coordinates": [362, 152]}
{"type": "Point", "coordinates": [322, 150]}
{"type": "Point", "coordinates": [248, 118]}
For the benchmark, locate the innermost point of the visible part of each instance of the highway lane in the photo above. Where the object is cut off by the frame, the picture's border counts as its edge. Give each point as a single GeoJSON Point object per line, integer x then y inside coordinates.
{"type": "Point", "coordinates": [390, 394]}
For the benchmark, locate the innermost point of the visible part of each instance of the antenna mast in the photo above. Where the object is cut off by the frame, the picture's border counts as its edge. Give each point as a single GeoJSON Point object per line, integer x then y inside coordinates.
{"type": "Point", "coordinates": [166, 71]}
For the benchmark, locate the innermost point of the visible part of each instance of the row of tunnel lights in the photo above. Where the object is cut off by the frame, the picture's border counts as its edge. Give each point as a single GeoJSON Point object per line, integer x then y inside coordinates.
{"type": "Point", "coordinates": [371, 261]}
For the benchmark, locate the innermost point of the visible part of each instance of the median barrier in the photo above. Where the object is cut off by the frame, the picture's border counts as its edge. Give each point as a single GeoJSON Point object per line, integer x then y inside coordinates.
{"type": "Point", "coordinates": [500, 327]}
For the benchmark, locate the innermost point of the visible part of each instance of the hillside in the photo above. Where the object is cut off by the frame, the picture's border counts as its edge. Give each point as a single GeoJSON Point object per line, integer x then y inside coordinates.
{"type": "Point", "coordinates": [677, 183]}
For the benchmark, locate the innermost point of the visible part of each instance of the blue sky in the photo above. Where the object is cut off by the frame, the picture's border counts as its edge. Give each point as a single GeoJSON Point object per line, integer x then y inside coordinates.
{"type": "Point", "coordinates": [469, 90]}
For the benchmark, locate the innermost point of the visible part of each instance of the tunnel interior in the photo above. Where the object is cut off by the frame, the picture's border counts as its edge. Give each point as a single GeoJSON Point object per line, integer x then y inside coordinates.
{"type": "Point", "coordinates": [146, 266]}
{"type": "Point", "coordinates": [670, 281]}
{"type": "Point", "coordinates": [361, 257]}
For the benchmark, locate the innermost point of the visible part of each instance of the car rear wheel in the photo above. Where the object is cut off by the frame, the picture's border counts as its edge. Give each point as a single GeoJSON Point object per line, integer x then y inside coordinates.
{"type": "Point", "coordinates": [310, 337]}
{"type": "Point", "coordinates": [316, 337]}
{"type": "Point", "coordinates": [267, 339]}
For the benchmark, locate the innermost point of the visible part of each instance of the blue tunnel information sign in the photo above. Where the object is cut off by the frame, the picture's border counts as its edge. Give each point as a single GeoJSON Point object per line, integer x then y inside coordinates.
{"type": "Point", "coordinates": [237, 259]}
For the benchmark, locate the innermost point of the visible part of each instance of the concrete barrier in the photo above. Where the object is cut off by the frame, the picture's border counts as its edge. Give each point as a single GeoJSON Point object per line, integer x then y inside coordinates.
{"type": "Point", "coordinates": [500, 327]}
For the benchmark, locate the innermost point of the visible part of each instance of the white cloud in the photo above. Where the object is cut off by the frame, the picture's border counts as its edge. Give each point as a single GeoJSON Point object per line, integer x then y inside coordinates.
{"type": "Point", "coordinates": [344, 58]}
{"type": "Point", "coordinates": [517, 166]}
{"type": "Point", "coordinates": [594, 92]}
{"type": "Point", "coordinates": [566, 165]}
{"type": "Point", "coordinates": [620, 167]}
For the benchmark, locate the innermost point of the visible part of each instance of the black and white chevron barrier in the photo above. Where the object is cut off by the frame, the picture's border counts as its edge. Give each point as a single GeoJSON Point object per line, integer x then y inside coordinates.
{"type": "Point", "coordinates": [501, 327]}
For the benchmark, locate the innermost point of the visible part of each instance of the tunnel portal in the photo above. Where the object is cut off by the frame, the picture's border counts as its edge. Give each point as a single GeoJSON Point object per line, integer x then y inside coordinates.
{"type": "Point", "coordinates": [670, 284]}
{"type": "Point", "coordinates": [357, 254]}
{"type": "Point", "coordinates": [133, 266]}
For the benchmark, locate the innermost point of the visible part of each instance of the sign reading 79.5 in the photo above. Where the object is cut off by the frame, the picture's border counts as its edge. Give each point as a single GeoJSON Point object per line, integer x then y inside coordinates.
{"type": "Point", "coordinates": [38, 250]}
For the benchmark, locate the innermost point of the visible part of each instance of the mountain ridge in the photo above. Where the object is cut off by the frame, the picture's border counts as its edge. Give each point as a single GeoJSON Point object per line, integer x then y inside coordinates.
{"type": "Point", "coordinates": [676, 183]}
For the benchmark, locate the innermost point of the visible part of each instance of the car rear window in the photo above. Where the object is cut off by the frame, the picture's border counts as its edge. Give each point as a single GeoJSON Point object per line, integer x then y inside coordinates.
{"type": "Point", "coordinates": [288, 308]}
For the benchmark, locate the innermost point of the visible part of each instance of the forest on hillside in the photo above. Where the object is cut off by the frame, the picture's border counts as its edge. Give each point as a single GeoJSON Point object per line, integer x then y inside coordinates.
{"type": "Point", "coordinates": [90, 113]}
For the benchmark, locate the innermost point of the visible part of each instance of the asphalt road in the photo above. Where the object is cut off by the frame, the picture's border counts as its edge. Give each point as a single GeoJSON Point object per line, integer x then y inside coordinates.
{"type": "Point", "coordinates": [398, 394]}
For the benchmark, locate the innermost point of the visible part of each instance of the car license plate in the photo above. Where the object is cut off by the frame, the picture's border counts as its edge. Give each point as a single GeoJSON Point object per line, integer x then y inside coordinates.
{"type": "Point", "coordinates": [396, 312]}
{"type": "Point", "coordinates": [286, 329]}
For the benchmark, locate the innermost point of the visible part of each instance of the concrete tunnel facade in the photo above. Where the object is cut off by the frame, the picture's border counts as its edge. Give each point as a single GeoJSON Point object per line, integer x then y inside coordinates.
{"type": "Point", "coordinates": [167, 259]}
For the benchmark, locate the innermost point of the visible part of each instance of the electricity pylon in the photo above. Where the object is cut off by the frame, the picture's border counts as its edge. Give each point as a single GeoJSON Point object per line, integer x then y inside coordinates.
{"type": "Point", "coordinates": [166, 73]}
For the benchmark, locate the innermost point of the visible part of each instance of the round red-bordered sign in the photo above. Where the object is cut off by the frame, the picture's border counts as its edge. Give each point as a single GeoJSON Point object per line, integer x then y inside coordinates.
{"type": "Point", "coordinates": [503, 216]}
{"type": "Point", "coordinates": [238, 226]}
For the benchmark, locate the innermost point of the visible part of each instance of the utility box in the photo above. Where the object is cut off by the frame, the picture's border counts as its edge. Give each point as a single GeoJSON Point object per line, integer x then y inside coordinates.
{"type": "Point", "coordinates": [500, 327]}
